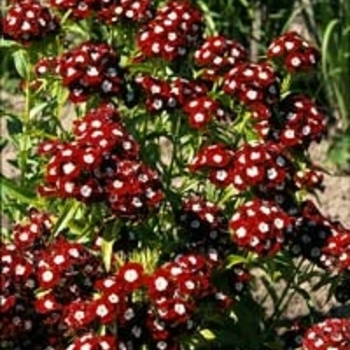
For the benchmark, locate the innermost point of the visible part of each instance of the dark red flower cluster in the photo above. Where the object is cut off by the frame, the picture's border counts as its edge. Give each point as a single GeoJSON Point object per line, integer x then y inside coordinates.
{"type": "Point", "coordinates": [29, 20]}
{"type": "Point", "coordinates": [94, 342]}
{"type": "Point", "coordinates": [202, 110]}
{"type": "Point", "coordinates": [175, 290]}
{"type": "Point", "coordinates": [294, 52]}
{"type": "Point", "coordinates": [309, 180]}
{"type": "Point", "coordinates": [260, 226]}
{"type": "Point", "coordinates": [255, 85]}
{"type": "Point", "coordinates": [61, 270]}
{"type": "Point", "coordinates": [176, 27]}
{"type": "Point", "coordinates": [261, 165]}
{"type": "Point", "coordinates": [217, 55]}
{"type": "Point", "coordinates": [204, 227]}
{"type": "Point", "coordinates": [91, 69]}
{"type": "Point", "coordinates": [101, 164]}
{"type": "Point", "coordinates": [167, 96]}
{"type": "Point", "coordinates": [112, 11]}
{"type": "Point", "coordinates": [336, 253]}
{"type": "Point", "coordinates": [300, 123]}
{"type": "Point", "coordinates": [332, 333]}
{"type": "Point", "coordinates": [311, 232]}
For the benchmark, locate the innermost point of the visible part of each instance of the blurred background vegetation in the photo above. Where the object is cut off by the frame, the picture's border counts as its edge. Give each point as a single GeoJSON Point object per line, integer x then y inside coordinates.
{"type": "Point", "coordinates": [254, 23]}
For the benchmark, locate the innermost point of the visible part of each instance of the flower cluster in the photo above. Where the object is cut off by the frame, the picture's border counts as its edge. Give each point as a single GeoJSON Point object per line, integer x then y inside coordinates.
{"type": "Point", "coordinates": [110, 11]}
{"type": "Point", "coordinates": [260, 226]}
{"type": "Point", "coordinates": [168, 96]}
{"type": "Point", "coordinates": [294, 52]}
{"type": "Point", "coordinates": [309, 180]}
{"type": "Point", "coordinates": [260, 165]}
{"type": "Point", "coordinates": [255, 85]}
{"type": "Point", "coordinates": [332, 333]}
{"type": "Point", "coordinates": [94, 342]}
{"type": "Point", "coordinates": [28, 21]}
{"type": "Point", "coordinates": [204, 226]}
{"type": "Point", "coordinates": [175, 290]}
{"type": "Point", "coordinates": [61, 270]}
{"type": "Point", "coordinates": [202, 110]}
{"type": "Point", "coordinates": [217, 55]}
{"type": "Point", "coordinates": [336, 252]}
{"type": "Point", "coordinates": [300, 122]}
{"type": "Point", "coordinates": [311, 232]}
{"type": "Point", "coordinates": [172, 32]}
{"type": "Point", "coordinates": [91, 69]}
{"type": "Point", "coordinates": [101, 164]}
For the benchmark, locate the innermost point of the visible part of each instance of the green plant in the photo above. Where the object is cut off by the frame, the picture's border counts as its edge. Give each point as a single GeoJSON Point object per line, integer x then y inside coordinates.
{"type": "Point", "coordinates": [117, 243]}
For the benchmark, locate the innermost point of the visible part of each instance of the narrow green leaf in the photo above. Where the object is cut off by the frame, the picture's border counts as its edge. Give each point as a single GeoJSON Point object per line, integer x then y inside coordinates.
{"type": "Point", "coordinates": [107, 251]}
{"type": "Point", "coordinates": [20, 60]}
{"type": "Point", "coordinates": [207, 334]}
{"type": "Point", "coordinates": [67, 215]}
{"type": "Point", "coordinates": [11, 189]}
{"type": "Point", "coordinates": [234, 259]}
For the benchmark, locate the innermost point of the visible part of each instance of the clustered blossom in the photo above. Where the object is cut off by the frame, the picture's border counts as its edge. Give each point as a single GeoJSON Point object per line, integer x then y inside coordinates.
{"type": "Point", "coordinates": [260, 165]}
{"type": "Point", "coordinates": [217, 55]}
{"type": "Point", "coordinates": [204, 226]}
{"type": "Point", "coordinates": [168, 96]}
{"type": "Point", "coordinates": [255, 85]}
{"type": "Point", "coordinates": [336, 252]}
{"type": "Point", "coordinates": [101, 164]}
{"type": "Point", "coordinates": [294, 52]}
{"type": "Point", "coordinates": [332, 333]}
{"type": "Point", "coordinates": [91, 69]}
{"type": "Point", "coordinates": [260, 226]}
{"type": "Point", "coordinates": [170, 34]}
{"type": "Point", "coordinates": [310, 233]}
{"type": "Point", "coordinates": [300, 123]}
{"type": "Point", "coordinates": [175, 289]}
{"type": "Point", "coordinates": [63, 271]}
{"type": "Point", "coordinates": [110, 11]}
{"type": "Point", "coordinates": [28, 21]}
{"type": "Point", "coordinates": [202, 110]}
{"type": "Point", "coordinates": [309, 179]}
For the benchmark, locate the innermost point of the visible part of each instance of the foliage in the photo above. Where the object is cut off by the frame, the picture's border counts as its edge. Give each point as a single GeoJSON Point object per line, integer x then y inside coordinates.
{"type": "Point", "coordinates": [182, 180]}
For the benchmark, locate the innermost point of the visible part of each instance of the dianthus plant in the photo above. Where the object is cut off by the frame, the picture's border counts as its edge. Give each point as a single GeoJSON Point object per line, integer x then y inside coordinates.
{"type": "Point", "coordinates": [161, 176]}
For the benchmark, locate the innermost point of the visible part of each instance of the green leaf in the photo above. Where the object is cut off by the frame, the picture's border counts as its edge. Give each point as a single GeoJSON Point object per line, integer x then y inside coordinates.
{"type": "Point", "coordinates": [67, 215]}
{"type": "Point", "coordinates": [234, 259]}
{"type": "Point", "coordinates": [207, 334]}
{"type": "Point", "coordinates": [11, 189]}
{"type": "Point", "coordinates": [8, 44]}
{"type": "Point", "coordinates": [21, 62]}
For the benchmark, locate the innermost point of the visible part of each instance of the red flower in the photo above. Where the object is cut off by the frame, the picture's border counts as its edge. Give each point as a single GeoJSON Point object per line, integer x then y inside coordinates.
{"type": "Point", "coordinates": [332, 333]}
{"type": "Point", "coordinates": [260, 226]}
{"type": "Point", "coordinates": [295, 53]}
{"type": "Point", "coordinates": [28, 21]}
{"type": "Point", "coordinates": [131, 275]}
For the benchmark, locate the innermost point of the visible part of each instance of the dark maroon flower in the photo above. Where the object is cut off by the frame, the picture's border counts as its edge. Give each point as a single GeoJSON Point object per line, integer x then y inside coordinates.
{"type": "Point", "coordinates": [295, 53]}
{"type": "Point", "coordinates": [173, 30]}
{"type": "Point", "coordinates": [255, 85]}
{"type": "Point", "coordinates": [91, 69]}
{"type": "Point", "coordinates": [28, 21]}
{"type": "Point", "coordinates": [217, 55]}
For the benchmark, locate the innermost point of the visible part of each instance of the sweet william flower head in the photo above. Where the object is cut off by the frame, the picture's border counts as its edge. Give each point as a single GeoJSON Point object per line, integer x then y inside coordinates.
{"type": "Point", "coordinates": [170, 34]}
{"type": "Point", "coordinates": [294, 52]}
{"type": "Point", "coordinates": [91, 68]}
{"type": "Point", "coordinates": [332, 333]}
{"type": "Point", "coordinates": [27, 21]}
{"type": "Point", "coordinates": [260, 226]}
